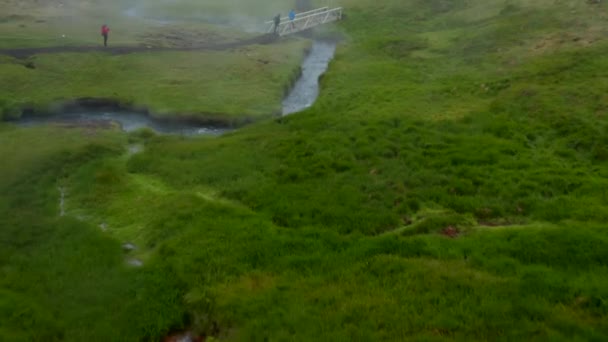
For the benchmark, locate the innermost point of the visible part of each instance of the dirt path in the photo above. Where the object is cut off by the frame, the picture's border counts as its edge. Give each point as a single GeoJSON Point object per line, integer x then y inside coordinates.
{"type": "Point", "coordinates": [119, 50]}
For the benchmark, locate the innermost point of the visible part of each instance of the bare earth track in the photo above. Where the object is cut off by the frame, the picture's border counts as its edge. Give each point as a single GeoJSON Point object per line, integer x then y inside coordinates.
{"type": "Point", "coordinates": [120, 50]}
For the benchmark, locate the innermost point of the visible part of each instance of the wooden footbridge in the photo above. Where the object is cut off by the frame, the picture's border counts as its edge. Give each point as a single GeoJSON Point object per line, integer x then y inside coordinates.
{"type": "Point", "coordinates": [305, 20]}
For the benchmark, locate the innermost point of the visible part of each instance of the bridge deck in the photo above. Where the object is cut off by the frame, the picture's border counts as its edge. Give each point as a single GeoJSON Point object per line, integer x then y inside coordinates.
{"type": "Point", "coordinates": [306, 20]}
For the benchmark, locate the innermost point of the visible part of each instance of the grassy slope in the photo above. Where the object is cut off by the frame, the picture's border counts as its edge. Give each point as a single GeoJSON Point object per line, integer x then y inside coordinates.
{"type": "Point", "coordinates": [246, 82]}
{"type": "Point", "coordinates": [461, 120]}
{"type": "Point", "coordinates": [61, 279]}
{"type": "Point", "coordinates": [490, 139]}
{"type": "Point", "coordinates": [234, 85]}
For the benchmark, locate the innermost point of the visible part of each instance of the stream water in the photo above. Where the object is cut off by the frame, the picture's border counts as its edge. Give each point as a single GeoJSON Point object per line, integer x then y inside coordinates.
{"type": "Point", "coordinates": [303, 94]}
{"type": "Point", "coordinates": [127, 121]}
{"type": "Point", "coordinates": [306, 90]}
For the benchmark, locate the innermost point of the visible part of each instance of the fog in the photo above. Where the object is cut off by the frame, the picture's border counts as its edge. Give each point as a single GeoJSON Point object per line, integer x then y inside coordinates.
{"type": "Point", "coordinates": [247, 15]}
{"type": "Point", "coordinates": [244, 15]}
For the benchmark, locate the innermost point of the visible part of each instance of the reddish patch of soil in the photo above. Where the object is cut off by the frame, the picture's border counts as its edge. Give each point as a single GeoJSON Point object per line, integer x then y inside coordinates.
{"type": "Point", "coordinates": [450, 231]}
{"type": "Point", "coordinates": [183, 337]}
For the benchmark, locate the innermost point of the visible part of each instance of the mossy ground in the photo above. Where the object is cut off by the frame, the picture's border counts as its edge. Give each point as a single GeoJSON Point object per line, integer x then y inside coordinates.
{"type": "Point", "coordinates": [330, 224]}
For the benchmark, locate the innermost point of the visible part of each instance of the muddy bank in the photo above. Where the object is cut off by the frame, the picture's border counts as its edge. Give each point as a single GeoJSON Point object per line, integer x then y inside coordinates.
{"type": "Point", "coordinates": [96, 106]}
{"type": "Point", "coordinates": [127, 121]}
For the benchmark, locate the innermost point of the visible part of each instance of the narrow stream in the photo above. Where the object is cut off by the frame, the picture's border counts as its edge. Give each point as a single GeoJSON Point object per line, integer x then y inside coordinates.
{"type": "Point", "coordinates": [302, 95]}
{"type": "Point", "coordinates": [306, 89]}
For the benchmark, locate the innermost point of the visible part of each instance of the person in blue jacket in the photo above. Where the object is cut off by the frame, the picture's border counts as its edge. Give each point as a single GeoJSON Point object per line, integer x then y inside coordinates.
{"type": "Point", "coordinates": [292, 17]}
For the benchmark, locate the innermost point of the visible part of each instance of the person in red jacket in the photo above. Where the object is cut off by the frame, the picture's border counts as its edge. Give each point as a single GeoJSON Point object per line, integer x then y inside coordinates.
{"type": "Point", "coordinates": [104, 32]}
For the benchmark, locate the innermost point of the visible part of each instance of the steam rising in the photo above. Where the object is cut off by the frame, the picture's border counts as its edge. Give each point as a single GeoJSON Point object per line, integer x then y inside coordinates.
{"type": "Point", "coordinates": [246, 15]}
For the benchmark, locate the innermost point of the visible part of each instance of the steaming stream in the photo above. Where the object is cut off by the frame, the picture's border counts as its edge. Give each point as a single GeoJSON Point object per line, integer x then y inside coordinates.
{"type": "Point", "coordinates": [301, 96]}
{"type": "Point", "coordinates": [306, 89]}
{"type": "Point", "coordinates": [127, 121]}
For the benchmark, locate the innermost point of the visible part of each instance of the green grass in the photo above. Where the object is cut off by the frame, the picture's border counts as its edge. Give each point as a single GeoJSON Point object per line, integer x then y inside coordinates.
{"type": "Point", "coordinates": [328, 224]}
{"type": "Point", "coordinates": [227, 264]}
{"type": "Point", "coordinates": [60, 275]}
{"type": "Point", "coordinates": [232, 85]}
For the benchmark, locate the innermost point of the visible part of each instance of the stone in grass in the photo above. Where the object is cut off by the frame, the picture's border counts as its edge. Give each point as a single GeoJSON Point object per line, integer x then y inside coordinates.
{"type": "Point", "coordinates": [134, 262]}
{"type": "Point", "coordinates": [128, 247]}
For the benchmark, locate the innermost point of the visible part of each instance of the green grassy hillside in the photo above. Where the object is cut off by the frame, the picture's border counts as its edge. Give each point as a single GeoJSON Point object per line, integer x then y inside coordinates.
{"type": "Point", "coordinates": [449, 184]}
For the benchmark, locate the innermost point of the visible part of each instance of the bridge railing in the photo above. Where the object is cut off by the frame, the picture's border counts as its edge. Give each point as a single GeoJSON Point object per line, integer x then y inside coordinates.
{"type": "Point", "coordinates": [306, 21]}
{"type": "Point", "coordinates": [301, 14]}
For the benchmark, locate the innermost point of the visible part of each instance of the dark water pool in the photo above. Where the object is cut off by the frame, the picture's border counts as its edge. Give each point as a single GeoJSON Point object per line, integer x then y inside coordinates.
{"type": "Point", "coordinates": [127, 121]}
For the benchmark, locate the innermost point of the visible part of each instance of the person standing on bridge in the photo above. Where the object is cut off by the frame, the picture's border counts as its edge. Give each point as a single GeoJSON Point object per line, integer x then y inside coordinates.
{"type": "Point", "coordinates": [292, 17]}
{"type": "Point", "coordinates": [277, 22]}
{"type": "Point", "coordinates": [105, 30]}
